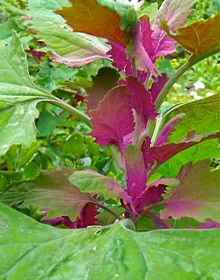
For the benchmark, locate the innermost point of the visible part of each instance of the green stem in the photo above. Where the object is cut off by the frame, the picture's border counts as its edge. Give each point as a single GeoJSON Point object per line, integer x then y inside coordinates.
{"type": "Point", "coordinates": [189, 63]}
{"type": "Point", "coordinates": [81, 116]}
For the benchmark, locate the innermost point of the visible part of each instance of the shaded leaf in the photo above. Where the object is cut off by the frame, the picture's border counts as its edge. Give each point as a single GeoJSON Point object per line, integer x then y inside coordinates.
{"type": "Point", "coordinates": [50, 190]}
{"type": "Point", "coordinates": [30, 249]}
{"type": "Point", "coordinates": [105, 80]}
{"type": "Point", "coordinates": [198, 196]}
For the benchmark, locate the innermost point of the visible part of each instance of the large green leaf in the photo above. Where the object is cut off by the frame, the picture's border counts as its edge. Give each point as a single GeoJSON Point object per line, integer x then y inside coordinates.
{"type": "Point", "coordinates": [201, 116]}
{"type": "Point", "coordinates": [30, 250]}
{"type": "Point", "coordinates": [18, 97]}
{"type": "Point", "coordinates": [71, 48]}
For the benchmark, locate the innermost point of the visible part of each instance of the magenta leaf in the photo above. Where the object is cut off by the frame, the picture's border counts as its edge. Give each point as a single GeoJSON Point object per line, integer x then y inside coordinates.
{"type": "Point", "coordinates": [198, 196]}
{"type": "Point", "coordinates": [146, 36]}
{"type": "Point", "coordinates": [105, 80]}
{"type": "Point", "coordinates": [119, 55]}
{"type": "Point", "coordinates": [209, 225]}
{"type": "Point", "coordinates": [113, 119]}
{"type": "Point", "coordinates": [136, 175]}
{"type": "Point", "coordinates": [139, 53]}
{"type": "Point", "coordinates": [141, 100]}
{"type": "Point", "coordinates": [157, 86]}
{"type": "Point", "coordinates": [175, 12]}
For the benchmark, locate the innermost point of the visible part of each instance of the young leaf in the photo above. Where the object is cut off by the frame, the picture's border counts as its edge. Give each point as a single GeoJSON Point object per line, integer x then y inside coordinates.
{"type": "Point", "coordinates": [91, 182]}
{"type": "Point", "coordinates": [200, 38]}
{"type": "Point", "coordinates": [102, 18]}
{"type": "Point", "coordinates": [135, 168]}
{"type": "Point", "coordinates": [141, 100]}
{"type": "Point", "coordinates": [175, 13]}
{"type": "Point", "coordinates": [18, 97]}
{"type": "Point", "coordinates": [50, 190]}
{"type": "Point", "coordinates": [113, 119]}
{"type": "Point", "coordinates": [29, 250]}
{"type": "Point", "coordinates": [198, 196]}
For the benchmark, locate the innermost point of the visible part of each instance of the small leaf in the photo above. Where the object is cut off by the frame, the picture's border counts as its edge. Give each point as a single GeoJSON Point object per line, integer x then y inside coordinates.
{"type": "Point", "coordinates": [198, 196]}
{"type": "Point", "coordinates": [175, 12]}
{"type": "Point", "coordinates": [91, 182]}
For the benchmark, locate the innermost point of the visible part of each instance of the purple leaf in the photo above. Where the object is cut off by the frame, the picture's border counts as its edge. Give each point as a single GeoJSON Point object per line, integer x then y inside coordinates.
{"type": "Point", "coordinates": [105, 80]}
{"type": "Point", "coordinates": [168, 129]}
{"type": "Point", "coordinates": [157, 86]}
{"type": "Point", "coordinates": [119, 55]}
{"type": "Point", "coordinates": [113, 119]}
{"type": "Point", "coordinates": [139, 54]}
{"type": "Point", "coordinates": [141, 100]}
{"type": "Point", "coordinates": [198, 196]}
{"type": "Point", "coordinates": [146, 36]}
{"type": "Point", "coordinates": [209, 225]}
{"type": "Point", "coordinates": [175, 12]}
{"type": "Point", "coordinates": [148, 160]}
{"type": "Point", "coordinates": [136, 175]}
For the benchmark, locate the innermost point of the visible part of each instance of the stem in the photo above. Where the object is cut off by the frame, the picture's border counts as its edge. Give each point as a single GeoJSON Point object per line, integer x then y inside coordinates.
{"type": "Point", "coordinates": [83, 117]}
{"type": "Point", "coordinates": [107, 209]}
{"type": "Point", "coordinates": [151, 206]}
{"type": "Point", "coordinates": [189, 63]}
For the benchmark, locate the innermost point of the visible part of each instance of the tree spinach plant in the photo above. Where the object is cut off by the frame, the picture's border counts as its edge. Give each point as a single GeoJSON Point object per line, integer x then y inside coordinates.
{"type": "Point", "coordinates": [163, 152]}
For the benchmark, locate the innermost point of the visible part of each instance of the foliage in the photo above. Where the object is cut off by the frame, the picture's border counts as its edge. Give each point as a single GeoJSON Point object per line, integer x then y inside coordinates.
{"type": "Point", "coordinates": [87, 138]}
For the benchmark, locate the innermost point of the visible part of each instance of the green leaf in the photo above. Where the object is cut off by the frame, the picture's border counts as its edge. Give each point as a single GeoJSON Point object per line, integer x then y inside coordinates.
{"type": "Point", "coordinates": [198, 196]}
{"type": "Point", "coordinates": [205, 150]}
{"type": "Point", "coordinates": [201, 116]}
{"type": "Point", "coordinates": [74, 146]}
{"type": "Point", "coordinates": [71, 48]}
{"type": "Point", "coordinates": [50, 190]}
{"type": "Point", "coordinates": [30, 250]}
{"type": "Point", "coordinates": [92, 182]}
{"type": "Point", "coordinates": [18, 97]}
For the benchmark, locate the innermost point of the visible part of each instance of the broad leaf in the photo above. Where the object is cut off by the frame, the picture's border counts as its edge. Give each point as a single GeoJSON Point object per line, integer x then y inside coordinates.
{"type": "Point", "coordinates": [50, 190]}
{"type": "Point", "coordinates": [102, 18]}
{"type": "Point", "coordinates": [71, 48]}
{"type": "Point", "coordinates": [205, 114]}
{"type": "Point", "coordinates": [30, 250]}
{"type": "Point", "coordinates": [113, 119]}
{"type": "Point", "coordinates": [92, 182]}
{"type": "Point", "coordinates": [198, 196]}
{"type": "Point", "coordinates": [200, 38]}
{"type": "Point", "coordinates": [175, 13]}
{"type": "Point", "coordinates": [202, 151]}
{"type": "Point", "coordinates": [18, 97]}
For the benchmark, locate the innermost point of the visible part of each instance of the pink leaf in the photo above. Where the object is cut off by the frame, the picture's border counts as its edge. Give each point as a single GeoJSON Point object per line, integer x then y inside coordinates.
{"type": "Point", "coordinates": [175, 12]}
{"type": "Point", "coordinates": [157, 86]}
{"type": "Point", "coordinates": [113, 119]}
{"type": "Point", "coordinates": [141, 100]}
